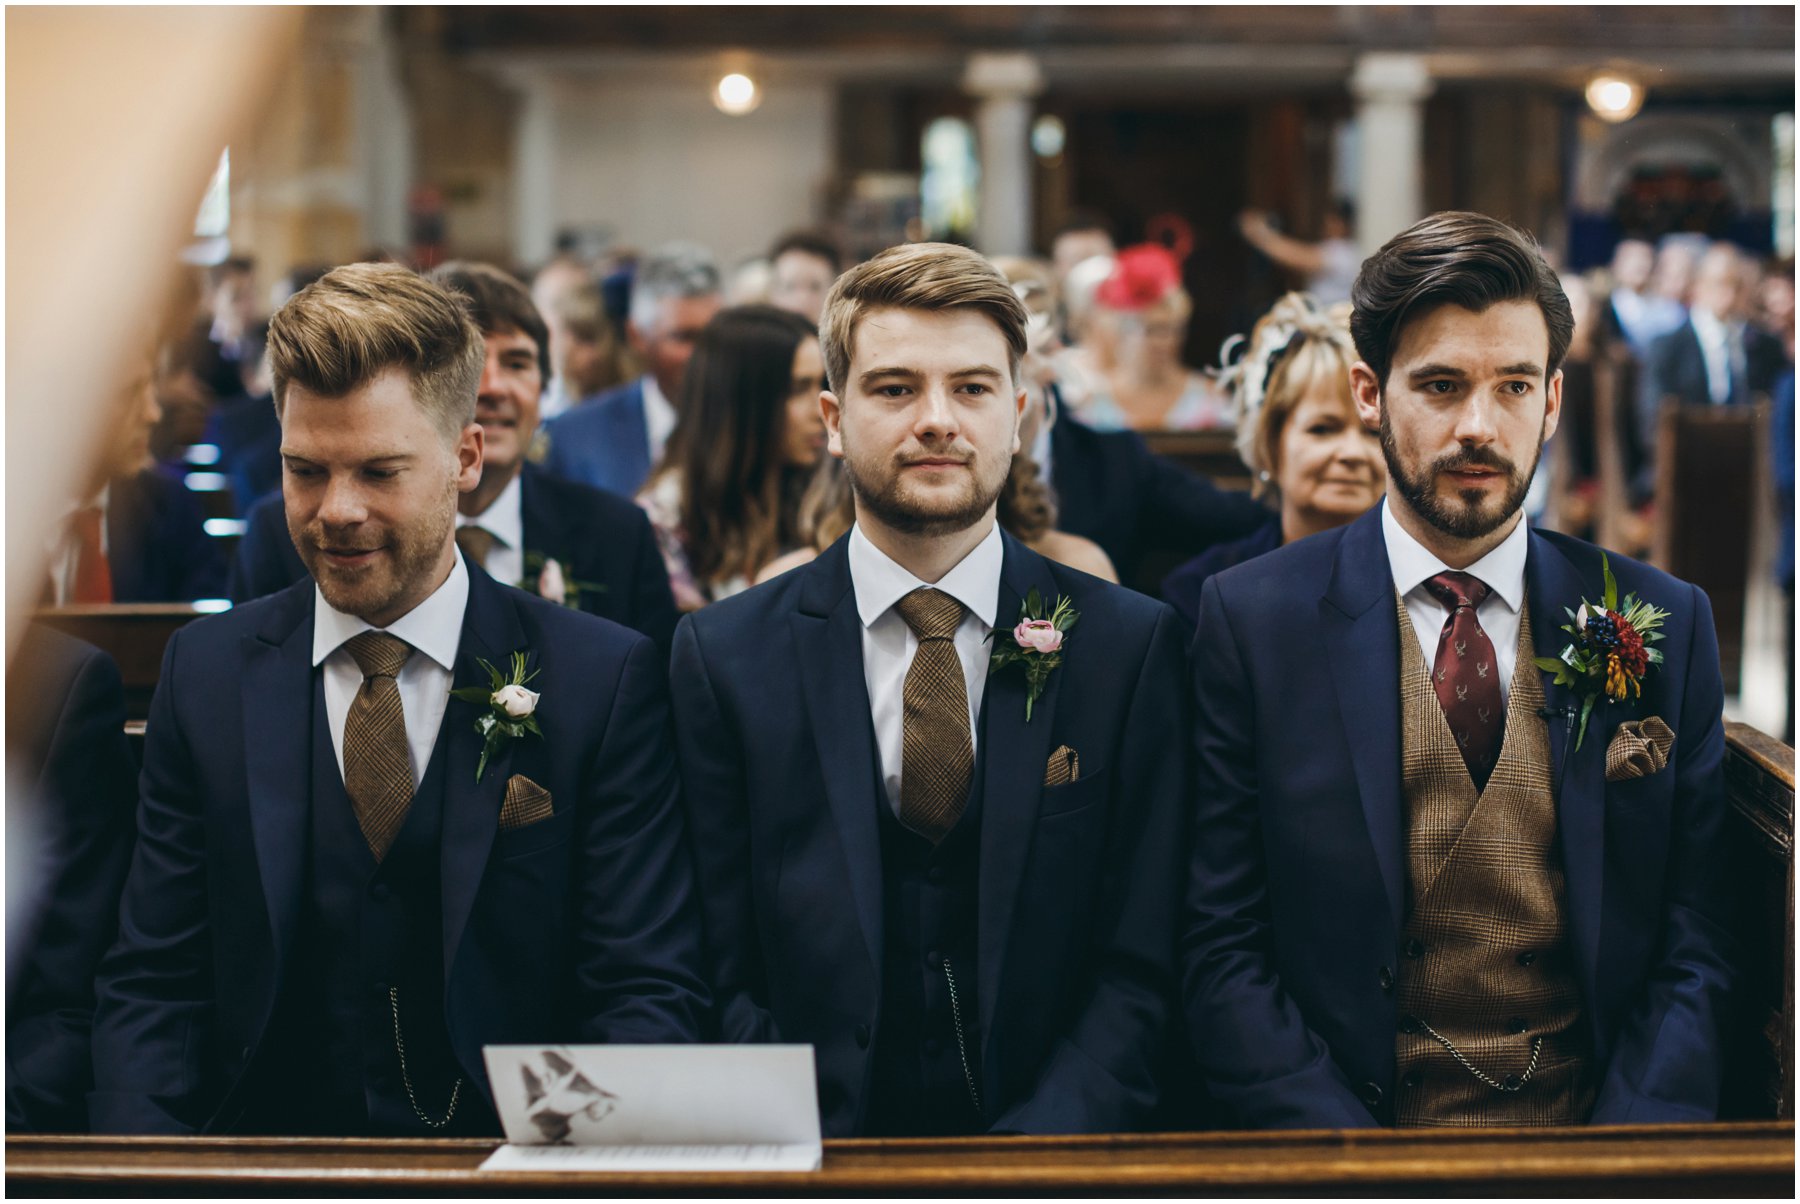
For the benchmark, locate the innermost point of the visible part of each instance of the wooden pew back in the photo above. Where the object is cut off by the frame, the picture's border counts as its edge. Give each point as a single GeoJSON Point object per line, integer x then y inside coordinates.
{"type": "Point", "coordinates": [133, 634]}
{"type": "Point", "coordinates": [1759, 789]}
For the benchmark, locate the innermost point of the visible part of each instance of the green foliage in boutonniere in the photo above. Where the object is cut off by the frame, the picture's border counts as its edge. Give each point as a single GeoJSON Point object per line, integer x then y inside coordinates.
{"type": "Point", "coordinates": [1611, 654]}
{"type": "Point", "coordinates": [544, 577]}
{"type": "Point", "coordinates": [511, 709]}
{"type": "Point", "coordinates": [1036, 643]}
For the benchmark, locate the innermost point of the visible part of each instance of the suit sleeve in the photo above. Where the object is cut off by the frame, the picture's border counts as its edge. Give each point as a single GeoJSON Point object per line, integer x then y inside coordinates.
{"type": "Point", "coordinates": [1101, 1074]}
{"type": "Point", "coordinates": [154, 992]}
{"type": "Point", "coordinates": [1255, 1051]}
{"type": "Point", "coordinates": [1189, 511]}
{"type": "Point", "coordinates": [652, 604]}
{"type": "Point", "coordinates": [1665, 1063]}
{"type": "Point", "coordinates": [639, 959]}
{"type": "Point", "coordinates": [713, 786]}
{"type": "Point", "coordinates": [88, 800]}
{"type": "Point", "coordinates": [1658, 382]}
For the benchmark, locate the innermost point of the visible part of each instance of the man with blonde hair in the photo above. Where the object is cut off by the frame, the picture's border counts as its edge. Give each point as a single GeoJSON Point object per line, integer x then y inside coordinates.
{"type": "Point", "coordinates": [350, 876]}
{"type": "Point", "coordinates": [938, 823]}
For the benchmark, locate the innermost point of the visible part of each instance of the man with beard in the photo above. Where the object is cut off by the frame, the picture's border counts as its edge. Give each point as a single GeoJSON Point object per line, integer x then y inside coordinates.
{"type": "Point", "coordinates": [957, 883]}
{"type": "Point", "coordinates": [1428, 887]}
{"type": "Point", "coordinates": [350, 876]}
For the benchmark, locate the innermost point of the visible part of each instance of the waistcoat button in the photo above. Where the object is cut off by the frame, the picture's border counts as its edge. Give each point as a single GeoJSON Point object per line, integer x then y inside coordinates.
{"type": "Point", "coordinates": [1386, 979]}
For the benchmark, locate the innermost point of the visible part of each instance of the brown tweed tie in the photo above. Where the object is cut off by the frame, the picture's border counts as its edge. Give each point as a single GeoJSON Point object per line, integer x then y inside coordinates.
{"type": "Point", "coordinates": [476, 543]}
{"type": "Point", "coordinates": [938, 757]}
{"type": "Point", "coordinates": [377, 769]}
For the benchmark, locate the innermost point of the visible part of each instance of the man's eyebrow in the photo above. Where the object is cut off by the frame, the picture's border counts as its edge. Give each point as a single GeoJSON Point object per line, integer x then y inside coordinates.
{"type": "Point", "coordinates": [1425, 370]}
{"type": "Point", "coordinates": [1523, 368]}
{"type": "Point", "coordinates": [977, 370]}
{"type": "Point", "coordinates": [877, 373]}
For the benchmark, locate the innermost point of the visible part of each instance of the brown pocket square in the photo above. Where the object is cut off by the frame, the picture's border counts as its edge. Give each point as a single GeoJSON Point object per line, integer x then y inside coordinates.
{"type": "Point", "coordinates": [1639, 748]}
{"type": "Point", "coordinates": [526, 803]}
{"type": "Point", "coordinates": [1063, 767]}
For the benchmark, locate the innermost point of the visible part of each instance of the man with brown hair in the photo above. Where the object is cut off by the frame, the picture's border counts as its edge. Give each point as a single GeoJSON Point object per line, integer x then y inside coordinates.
{"type": "Point", "coordinates": [938, 822]}
{"type": "Point", "coordinates": [1433, 881]}
{"type": "Point", "coordinates": [564, 541]}
{"type": "Point", "coordinates": [349, 875]}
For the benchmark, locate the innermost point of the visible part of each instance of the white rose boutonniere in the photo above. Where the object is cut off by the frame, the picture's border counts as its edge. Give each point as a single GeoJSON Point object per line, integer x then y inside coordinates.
{"type": "Point", "coordinates": [510, 709]}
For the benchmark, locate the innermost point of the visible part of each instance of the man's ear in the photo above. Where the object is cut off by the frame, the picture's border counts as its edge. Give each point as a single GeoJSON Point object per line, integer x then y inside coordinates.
{"type": "Point", "coordinates": [1552, 404]}
{"type": "Point", "coordinates": [470, 450]}
{"type": "Point", "coordinates": [832, 410]}
{"type": "Point", "coordinates": [1019, 404]}
{"type": "Point", "coordinates": [1365, 389]}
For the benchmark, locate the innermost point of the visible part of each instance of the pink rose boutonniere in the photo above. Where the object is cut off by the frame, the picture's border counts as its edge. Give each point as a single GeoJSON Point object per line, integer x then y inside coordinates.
{"type": "Point", "coordinates": [544, 576]}
{"type": "Point", "coordinates": [1036, 644]}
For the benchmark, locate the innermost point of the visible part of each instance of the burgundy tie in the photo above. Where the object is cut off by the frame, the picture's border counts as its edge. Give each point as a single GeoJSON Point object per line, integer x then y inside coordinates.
{"type": "Point", "coordinates": [1466, 675]}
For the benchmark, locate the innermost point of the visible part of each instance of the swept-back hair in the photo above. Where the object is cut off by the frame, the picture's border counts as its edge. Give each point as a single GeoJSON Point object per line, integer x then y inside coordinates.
{"type": "Point", "coordinates": [498, 302]}
{"type": "Point", "coordinates": [356, 322]}
{"type": "Point", "coordinates": [1453, 258]}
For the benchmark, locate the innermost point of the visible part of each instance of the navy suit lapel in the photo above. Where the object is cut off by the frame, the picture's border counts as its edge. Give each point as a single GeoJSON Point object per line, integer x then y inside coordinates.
{"type": "Point", "coordinates": [828, 633]}
{"type": "Point", "coordinates": [491, 631]}
{"type": "Point", "coordinates": [276, 696]}
{"type": "Point", "coordinates": [1554, 584]}
{"type": "Point", "coordinates": [1013, 754]}
{"type": "Point", "coordinates": [540, 519]}
{"type": "Point", "coordinates": [1361, 633]}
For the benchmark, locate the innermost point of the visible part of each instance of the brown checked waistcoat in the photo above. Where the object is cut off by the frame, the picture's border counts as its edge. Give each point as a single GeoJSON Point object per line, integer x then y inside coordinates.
{"type": "Point", "coordinates": [1486, 958]}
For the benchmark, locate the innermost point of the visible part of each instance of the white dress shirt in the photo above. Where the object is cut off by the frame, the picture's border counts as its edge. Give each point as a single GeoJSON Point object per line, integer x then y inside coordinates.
{"type": "Point", "coordinates": [888, 643]}
{"type": "Point", "coordinates": [1718, 345]}
{"type": "Point", "coordinates": [433, 628]}
{"type": "Point", "coordinates": [659, 419]}
{"type": "Point", "coordinates": [1501, 570]}
{"type": "Point", "coordinates": [504, 519]}
{"type": "Point", "coordinates": [65, 549]}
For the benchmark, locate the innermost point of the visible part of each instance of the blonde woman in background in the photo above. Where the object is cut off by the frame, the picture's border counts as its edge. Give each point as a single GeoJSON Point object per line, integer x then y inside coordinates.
{"type": "Point", "coordinates": [1298, 432]}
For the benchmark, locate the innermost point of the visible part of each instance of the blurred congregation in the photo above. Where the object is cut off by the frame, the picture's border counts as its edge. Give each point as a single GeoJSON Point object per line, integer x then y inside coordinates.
{"type": "Point", "coordinates": [644, 209]}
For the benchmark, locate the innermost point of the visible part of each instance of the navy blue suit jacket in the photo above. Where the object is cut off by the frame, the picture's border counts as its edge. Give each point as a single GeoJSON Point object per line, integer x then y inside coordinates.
{"type": "Point", "coordinates": [156, 542]}
{"type": "Point", "coordinates": [604, 442]}
{"type": "Point", "coordinates": [1078, 883]}
{"type": "Point", "coordinates": [579, 927]}
{"type": "Point", "coordinates": [1298, 884]}
{"type": "Point", "coordinates": [65, 741]}
{"type": "Point", "coordinates": [1111, 488]}
{"type": "Point", "coordinates": [600, 540]}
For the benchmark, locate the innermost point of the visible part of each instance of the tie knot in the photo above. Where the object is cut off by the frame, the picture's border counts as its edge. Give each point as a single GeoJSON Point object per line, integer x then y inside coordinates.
{"type": "Point", "coordinates": [1456, 590]}
{"type": "Point", "coordinates": [378, 654]}
{"type": "Point", "coordinates": [931, 613]}
{"type": "Point", "coordinates": [476, 542]}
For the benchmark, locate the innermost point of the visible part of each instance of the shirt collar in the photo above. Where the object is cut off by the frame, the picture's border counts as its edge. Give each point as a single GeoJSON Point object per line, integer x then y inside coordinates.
{"type": "Point", "coordinates": [1502, 570]}
{"type": "Point", "coordinates": [657, 406]}
{"type": "Point", "coordinates": [504, 518]}
{"type": "Point", "coordinates": [879, 582]}
{"type": "Point", "coordinates": [434, 626]}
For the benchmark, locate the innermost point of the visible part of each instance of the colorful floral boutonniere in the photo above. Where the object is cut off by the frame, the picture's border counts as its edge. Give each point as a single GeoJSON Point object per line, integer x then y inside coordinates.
{"type": "Point", "coordinates": [544, 577]}
{"type": "Point", "coordinates": [1611, 654]}
{"type": "Point", "coordinates": [1037, 643]}
{"type": "Point", "coordinates": [511, 708]}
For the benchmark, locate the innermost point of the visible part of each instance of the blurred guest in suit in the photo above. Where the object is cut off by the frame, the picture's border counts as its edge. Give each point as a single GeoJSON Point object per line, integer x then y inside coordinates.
{"type": "Point", "coordinates": [726, 499]}
{"type": "Point", "coordinates": [1299, 434]}
{"type": "Point", "coordinates": [586, 353]}
{"type": "Point", "coordinates": [66, 746]}
{"type": "Point", "coordinates": [955, 884]}
{"type": "Point", "coordinates": [349, 876]}
{"type": "Point", "coordinates": [615, 439]}
{"type": "Point", "coordinates": [1328, 266]}
{"type": "Point", "coordinates": [1084, 235]}
{"type": "Point", "coordinates": [567, 542]}
{"type": "Point", "coordinates": [136, 535]}
{"type": "Point", "coordinates": [1634, 310]}
{"type": "Point", "coordinates": [228, 339]}
{"type": "Point", "coordinates": [1716, 358]}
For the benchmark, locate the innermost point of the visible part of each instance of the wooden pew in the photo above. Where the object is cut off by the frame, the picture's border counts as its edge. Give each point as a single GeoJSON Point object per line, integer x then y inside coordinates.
{"type": "Point", "coordinates": [1759, 788]}
{"type": "Point", "coordinates": [133, 634]}
{"type": "Point", "coordinates": [1747, 1159]}
{"type": "Point", "coordinates": [1711, 496]}
{"type": "Point", "coordinates": [1212, 454]}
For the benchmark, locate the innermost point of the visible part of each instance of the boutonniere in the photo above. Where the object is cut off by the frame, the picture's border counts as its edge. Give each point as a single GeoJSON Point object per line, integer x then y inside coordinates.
{"type": "Point", "coordinates": [1611, 654]}
{"type": "Point", "coordinates": [1037, 643]}
{"type": "Point", "coordinates": [544, 577]}
{"type": "Point", "coordinates": [511, 708]}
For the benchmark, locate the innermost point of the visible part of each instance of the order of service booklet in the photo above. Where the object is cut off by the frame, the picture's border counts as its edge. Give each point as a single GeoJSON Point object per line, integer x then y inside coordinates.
{"type": "Point", "coordinates": [636, 1108]}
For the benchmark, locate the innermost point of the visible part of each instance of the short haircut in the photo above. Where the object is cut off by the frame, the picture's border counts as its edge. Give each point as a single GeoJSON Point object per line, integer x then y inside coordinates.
{"type": "Point", "coordinates": [356, 322]}
{"type": "Point", "coordinates": [1080, 221]}
{"type": "Point", "coordinates": [1455, 258]}
{"type": "Point", "coordinates": [498, 302]}
{"type": "Point", "coordinates": [676, 271]}
{"type": "Point", "coordinates": [809, 242]}
{"type": "Point", "coordinates": [928, 275]}
{"type": "Point", "coordinates": [236, 265]}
